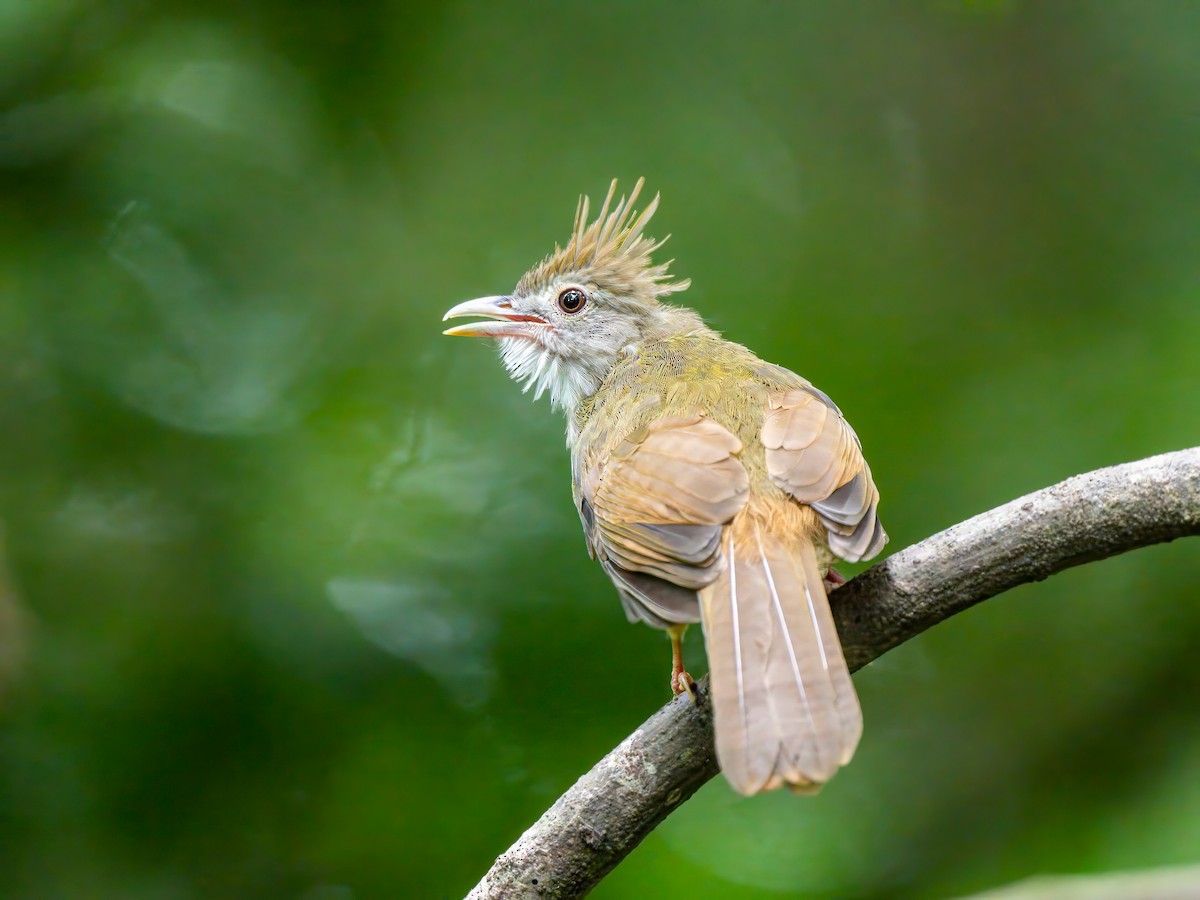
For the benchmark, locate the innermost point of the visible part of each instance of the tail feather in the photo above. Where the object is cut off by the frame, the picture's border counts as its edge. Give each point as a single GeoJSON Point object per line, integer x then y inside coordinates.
{"type": "Point", "coordinates": [785, 708]}
{"type": "Point", "coordinates": [848, 709]}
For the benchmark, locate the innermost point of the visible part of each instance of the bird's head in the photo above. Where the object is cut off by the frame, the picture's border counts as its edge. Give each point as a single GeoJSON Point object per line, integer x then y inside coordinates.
{"type": "Point", "coordinates": [573, 315]}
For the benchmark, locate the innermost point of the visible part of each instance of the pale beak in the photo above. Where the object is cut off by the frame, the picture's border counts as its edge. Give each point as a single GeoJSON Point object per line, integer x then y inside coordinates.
{"type": "Point", "coordinates": [511, 324]}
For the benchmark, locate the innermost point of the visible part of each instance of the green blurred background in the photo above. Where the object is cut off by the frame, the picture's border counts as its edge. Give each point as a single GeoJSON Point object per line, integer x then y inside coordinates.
{"type": "Point", "coordinates": [296, 603]}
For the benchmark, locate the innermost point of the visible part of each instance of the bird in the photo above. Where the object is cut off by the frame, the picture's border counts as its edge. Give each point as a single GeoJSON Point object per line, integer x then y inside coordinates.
{"type": "Point", "coordinates": [713, 487]}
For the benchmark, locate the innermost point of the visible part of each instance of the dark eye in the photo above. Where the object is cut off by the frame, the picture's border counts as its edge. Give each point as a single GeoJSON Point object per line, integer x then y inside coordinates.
{"type": "Point", "coordinates": [572, 300]}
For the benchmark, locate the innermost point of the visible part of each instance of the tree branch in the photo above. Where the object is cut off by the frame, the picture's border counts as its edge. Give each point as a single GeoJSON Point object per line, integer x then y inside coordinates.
{"type": "Point", "coordinates": [598, 822]}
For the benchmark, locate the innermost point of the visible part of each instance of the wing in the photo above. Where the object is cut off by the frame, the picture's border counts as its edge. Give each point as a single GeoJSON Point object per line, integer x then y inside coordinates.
{"type": "Point", "coordinates": [653, 514]}
{"type": "Point", "coordinates": [814, 455]}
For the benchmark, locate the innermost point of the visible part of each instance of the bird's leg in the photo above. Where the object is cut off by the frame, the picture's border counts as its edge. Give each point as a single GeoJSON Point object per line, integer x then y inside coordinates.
{"type": "Point", "coordinates": [681, 681]}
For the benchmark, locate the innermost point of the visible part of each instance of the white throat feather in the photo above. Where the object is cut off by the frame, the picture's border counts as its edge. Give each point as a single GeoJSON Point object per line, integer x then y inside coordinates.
{"type": "Point", "coordinates": [533, 364]}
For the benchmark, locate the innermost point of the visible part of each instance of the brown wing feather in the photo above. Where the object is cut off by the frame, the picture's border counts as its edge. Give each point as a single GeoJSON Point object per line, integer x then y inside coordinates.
{"type": "Point", "coordinates": [654, 513]}
{"type": "Point", "coordinates": [814, 455]}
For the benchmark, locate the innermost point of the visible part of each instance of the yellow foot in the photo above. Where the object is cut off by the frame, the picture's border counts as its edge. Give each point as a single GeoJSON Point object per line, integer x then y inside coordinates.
{"type": "Point", "coordinates": [833, 579]}
{"type": "Point", "coordinates": [682, 682]}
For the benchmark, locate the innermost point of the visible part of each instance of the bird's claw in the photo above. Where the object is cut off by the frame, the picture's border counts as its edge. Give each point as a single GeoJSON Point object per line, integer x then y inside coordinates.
{"type": "Point", "coordinates": [682, 682]}
{"type": "Point", "coordinates": [833, 580]}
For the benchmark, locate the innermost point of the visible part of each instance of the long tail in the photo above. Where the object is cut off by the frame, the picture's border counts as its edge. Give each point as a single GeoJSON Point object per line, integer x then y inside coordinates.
{"type": "Point", "coordinates": [785, 709]}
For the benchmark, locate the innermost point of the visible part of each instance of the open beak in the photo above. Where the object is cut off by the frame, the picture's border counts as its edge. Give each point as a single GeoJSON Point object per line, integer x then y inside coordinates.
{"type": "Point", "coordinates": [509, 324]}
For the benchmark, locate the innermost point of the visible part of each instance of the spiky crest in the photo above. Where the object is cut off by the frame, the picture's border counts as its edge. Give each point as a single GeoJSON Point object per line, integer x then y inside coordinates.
{"type": "Point", "coordinates": [611, 251]}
